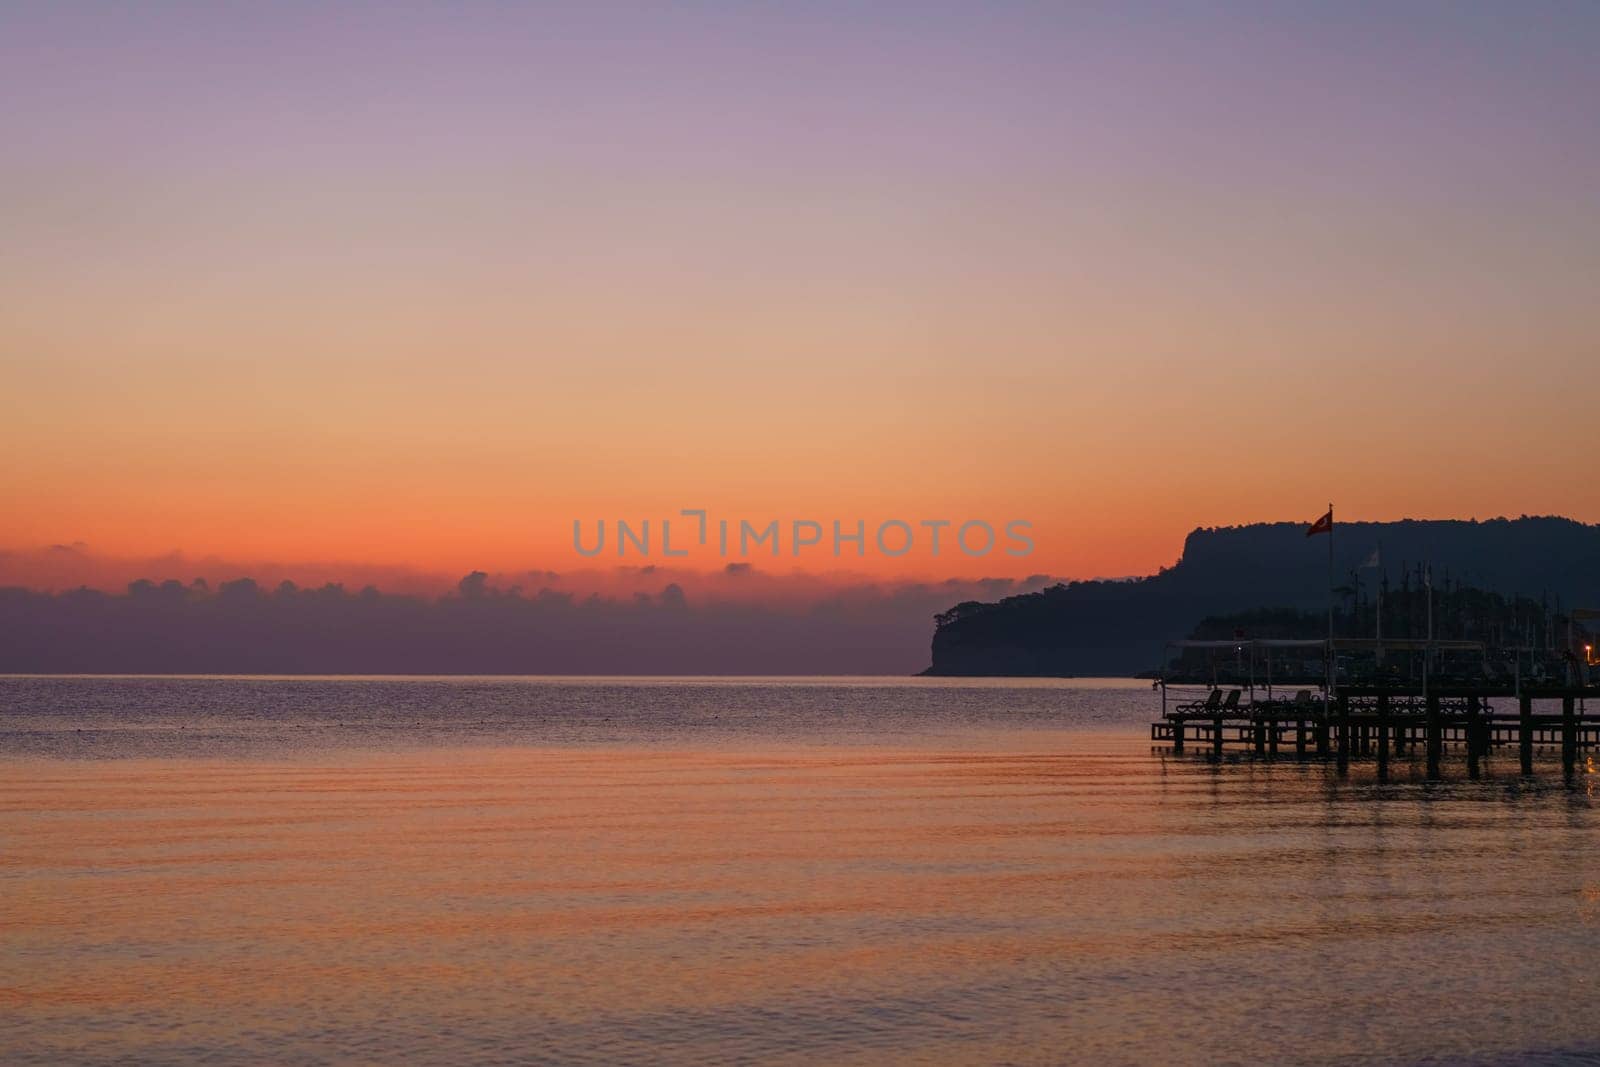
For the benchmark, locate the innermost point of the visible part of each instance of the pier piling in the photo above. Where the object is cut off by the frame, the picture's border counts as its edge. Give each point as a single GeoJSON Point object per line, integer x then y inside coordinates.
{"type": "Point", "coordinates": [1569, 737]}
{"type": "Point", "coordinates": [1473, 739]}
{"type": "Point", "coordinates": [1343, 704]}
{"type": "Point", "coordinates": [1434, 726]}
{"type": "Point", "coordinates": [1525, 732]}
{"type": "Point", "coordinates": [1383, 738]}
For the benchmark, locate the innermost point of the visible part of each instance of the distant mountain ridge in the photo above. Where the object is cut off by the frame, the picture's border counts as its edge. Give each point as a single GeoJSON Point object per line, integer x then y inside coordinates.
{"type": "Point", "coordinates": [1119, 627]}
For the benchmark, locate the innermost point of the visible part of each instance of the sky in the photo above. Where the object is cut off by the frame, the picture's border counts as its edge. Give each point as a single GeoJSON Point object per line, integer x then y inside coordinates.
{"type": "Point", "coordinates": [417, 286]}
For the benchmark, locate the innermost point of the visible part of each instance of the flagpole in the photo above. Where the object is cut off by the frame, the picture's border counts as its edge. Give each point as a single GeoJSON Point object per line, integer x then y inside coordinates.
{"type": "Point", "coordinates": [1378, 581]}
{"type": "Point", "coordinates": [1330, 600]}
{"type": "Point", "coordinates": [1429, 573]}
{"type": "Point", "coordinates": [1427, 648]}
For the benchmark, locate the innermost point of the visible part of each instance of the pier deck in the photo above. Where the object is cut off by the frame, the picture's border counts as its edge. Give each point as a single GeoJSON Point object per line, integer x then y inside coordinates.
{"type": "Point", "coordinates": [1363, 721]}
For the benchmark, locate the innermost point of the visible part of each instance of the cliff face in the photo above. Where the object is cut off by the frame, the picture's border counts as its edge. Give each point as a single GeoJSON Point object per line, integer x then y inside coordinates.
{"type": "Point", "coordinates": [1088, 628]}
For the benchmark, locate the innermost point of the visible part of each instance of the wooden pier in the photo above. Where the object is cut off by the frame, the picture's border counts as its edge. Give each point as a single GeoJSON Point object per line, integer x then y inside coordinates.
{"type": "Point", "coordinates": [1386, 722]}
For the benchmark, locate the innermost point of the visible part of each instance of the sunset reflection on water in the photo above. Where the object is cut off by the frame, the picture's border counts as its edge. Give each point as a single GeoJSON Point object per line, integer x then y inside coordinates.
{"type": "Point", "coordinates": [1034, 896]}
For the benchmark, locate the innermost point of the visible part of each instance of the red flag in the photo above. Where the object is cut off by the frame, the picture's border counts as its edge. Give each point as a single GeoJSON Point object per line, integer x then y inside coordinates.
{"type": "Point", "coordinates": [1322, 525]}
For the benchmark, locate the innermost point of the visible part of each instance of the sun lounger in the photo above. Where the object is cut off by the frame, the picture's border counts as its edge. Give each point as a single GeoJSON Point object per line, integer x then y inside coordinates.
{"type": "Point", "coordinates": [1212, 702]}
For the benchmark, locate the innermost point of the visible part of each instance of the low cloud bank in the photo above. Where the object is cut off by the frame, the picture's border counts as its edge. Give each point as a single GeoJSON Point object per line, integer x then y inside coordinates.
{"type": "Point", "coordinates": [638, 620]}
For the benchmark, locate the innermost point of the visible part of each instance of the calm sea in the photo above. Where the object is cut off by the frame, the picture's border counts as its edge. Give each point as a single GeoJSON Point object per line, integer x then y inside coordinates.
{"type": "Point", "coordinates": [452, 871]}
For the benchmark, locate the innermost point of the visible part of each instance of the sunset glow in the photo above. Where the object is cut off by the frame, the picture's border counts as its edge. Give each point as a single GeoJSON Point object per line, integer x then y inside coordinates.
{"type": "Point", "coordinates": [415, 288]}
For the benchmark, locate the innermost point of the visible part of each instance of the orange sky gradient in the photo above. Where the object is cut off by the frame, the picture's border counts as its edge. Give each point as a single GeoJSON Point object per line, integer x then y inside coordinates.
{"type": "Point", "coordinates": [352, 307]}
